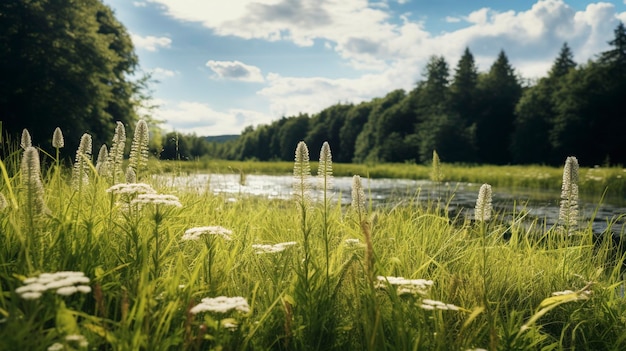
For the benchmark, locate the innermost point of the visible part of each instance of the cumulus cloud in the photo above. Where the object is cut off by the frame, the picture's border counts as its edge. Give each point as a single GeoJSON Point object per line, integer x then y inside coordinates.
{"type": "Point", "coordinates": [150, 43]}
{"type": "Point", "coordinates": [139, 4]}
{"type": "Point", "coordinates": [391, 53]}
{"type": "Point", "coordinates": [235, 70]}
{"type": "Point", "coordinates": [200, 118]}
{"type": "Point", "coordinates": [161, 73]}
{"type": "Point", "coordinates": [451, 19]}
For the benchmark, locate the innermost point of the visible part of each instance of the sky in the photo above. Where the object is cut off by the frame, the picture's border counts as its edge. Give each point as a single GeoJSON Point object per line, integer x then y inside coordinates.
{"type": "Point", "coordinates": [222, 65]}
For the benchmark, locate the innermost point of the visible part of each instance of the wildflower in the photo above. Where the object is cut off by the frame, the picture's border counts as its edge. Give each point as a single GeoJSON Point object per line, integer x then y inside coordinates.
{"type": "Point", "coordinates": [358, 196]}
{"type": "Point", "coordinates": [429, 304]}
{"type": "Point", "coordinates": [131, 189]}
{"type": "Point", "coordinates": [221, 304]}
{"type": "Point", "coordinates": [31, 178]}
{"type": "Point", "coordinates": [352, 242]}
{"type": "Point", "coordinates": [102, 163]}
{"type": "Point", "coordinates": [483, 209]}
{"type": "Point", "coordinates": [139, 147]}
{"type": "Point", "coordinates": [80, 173]}
{"type": "Point", "coordinates": [325, 169]}
{"type": "Point", "coordinates": [116, 153]}
{"type": "Point", "coordinates": [261, 249]}
{"type": "Point", "coordinates": [63, 283]}
{"type": "Point", "coordinates": [26, 141]}
{"type": "Point", "coordinates": [301, 174]}
{"type": "Point", "coordinates": [568, 214]}
{"type": "Point", "coordinates": [196, 233]}
{"type": "Point", "coordinates": [157, 199]}
{"type": "Point", "coordinates": [77, 339]}
{"type": "Point", "coordinates": [57, 139]}
{"type": "Point", "coordinates": [131, 176]}
{"type": "Point", "coordinates": [406, 286]}
{"type": "Point", "coordinates": [56, 347]}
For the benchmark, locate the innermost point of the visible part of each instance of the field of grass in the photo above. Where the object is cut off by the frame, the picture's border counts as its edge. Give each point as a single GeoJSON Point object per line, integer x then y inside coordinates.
{"type": "Point", "coordinates": [293, 275]}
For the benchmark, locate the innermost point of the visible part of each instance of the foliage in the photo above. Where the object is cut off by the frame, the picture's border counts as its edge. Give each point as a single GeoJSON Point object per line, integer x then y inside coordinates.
{"type": "Point", "coordinates": [144, 266]}
{"type": "Point", "coordinates": [575, 109]}
{"type": "Point", "coordinates": [66, 63]}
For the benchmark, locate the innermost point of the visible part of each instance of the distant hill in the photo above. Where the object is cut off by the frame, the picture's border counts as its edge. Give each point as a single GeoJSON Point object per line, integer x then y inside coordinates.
{"type": "Point", "coordinates": [221, 138]}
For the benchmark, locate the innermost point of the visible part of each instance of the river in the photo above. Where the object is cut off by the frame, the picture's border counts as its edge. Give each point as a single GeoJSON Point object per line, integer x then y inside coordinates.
{"type": "Point", "coordinates": [543, 205]}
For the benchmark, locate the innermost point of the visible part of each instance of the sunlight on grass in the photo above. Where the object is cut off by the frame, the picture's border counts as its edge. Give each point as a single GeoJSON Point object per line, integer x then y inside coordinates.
{"type": "Point", "coordinates": [103, 264]}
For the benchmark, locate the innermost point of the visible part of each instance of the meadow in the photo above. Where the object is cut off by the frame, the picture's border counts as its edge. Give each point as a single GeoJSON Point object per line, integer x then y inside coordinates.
{"type": "Point", "coordinates": [101, 256]}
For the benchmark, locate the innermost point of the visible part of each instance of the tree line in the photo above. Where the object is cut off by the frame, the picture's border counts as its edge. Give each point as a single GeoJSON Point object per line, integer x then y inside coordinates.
{"type": "Point", "coordinates": [468, 116]}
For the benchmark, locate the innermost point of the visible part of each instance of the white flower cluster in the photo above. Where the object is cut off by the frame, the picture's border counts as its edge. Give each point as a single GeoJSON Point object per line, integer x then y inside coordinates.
{"type": "Point", "coordinates": [73, 340]}
{"type": "Point", "coordinates": [352, 242]}
{"type": "Point", "coordinates": [64, 283]}
{"type": "Point", "coordinates": [221, 304]}
{"type": "Point", "coordinates": [428, 304]}
{"type": "Point", "coordinates": [406, 286]}
{"type": "Point", "coordinates": [131, 189]}
{"type": "Point", "coordinates": [261, 249]}
{"type": "Point", "coordinates": [197, 232]}
{"type": "Point", "coordinates": [157, 199]}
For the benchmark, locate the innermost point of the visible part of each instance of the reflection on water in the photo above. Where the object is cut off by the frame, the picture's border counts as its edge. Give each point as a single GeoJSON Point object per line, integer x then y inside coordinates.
{"type": "Point", "coordinates": [383, 192]}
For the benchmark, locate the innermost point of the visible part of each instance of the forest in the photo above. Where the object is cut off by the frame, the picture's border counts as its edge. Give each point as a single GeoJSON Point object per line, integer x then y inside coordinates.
{"type": "Point", "coordinates": [468, 116]}
{"type": "Point", "coordinates": [74, 66]}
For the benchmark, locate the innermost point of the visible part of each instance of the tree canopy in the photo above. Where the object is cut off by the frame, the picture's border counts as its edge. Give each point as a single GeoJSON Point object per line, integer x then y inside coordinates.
{"type": "Point", "coordinates": [65, 63]}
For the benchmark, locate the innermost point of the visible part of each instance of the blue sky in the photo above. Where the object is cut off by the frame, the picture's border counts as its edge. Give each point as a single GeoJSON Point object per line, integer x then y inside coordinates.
{"type": "Point", "coordinates": [223, 65]}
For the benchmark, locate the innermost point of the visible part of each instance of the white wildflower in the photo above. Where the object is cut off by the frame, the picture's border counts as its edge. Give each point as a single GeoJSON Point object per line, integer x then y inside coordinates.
{"type": "Point", "coordinates": [56, 347]}
{"type": "Point", "coordinates": [568, 213]}
{"type": "Point", "coordinates": [157, 199]}
{"type": "Point", "coordinates": [197, 232]}
{"type": "Point", "coordinates": [483, 209]}
{"type": "Point", "coordinates": [131, 189]}
{"type": "Point", "coordinates": [63, 283]}
{"type": "Point", "coordinates": [261, 249]}
{"type": "Point", "coordinates": [221, 304]}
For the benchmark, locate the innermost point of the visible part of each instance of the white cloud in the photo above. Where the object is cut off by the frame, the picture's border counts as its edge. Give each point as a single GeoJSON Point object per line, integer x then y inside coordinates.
{"type": "Point", "coordinates": [200, 118]}
{"type": "Point", "coordinates": [622, 16]}
{"type": "Point", "coordinates": [235, 70]}
{"type": "Point", "coordinates": [161, 73]}
{"type": "Point", "coordinates": [150, 43]}
{"type": "Point", "coordinates": [451, 19]}
{"type": "Point", "coordinates": [394, 53]}
{"type": "Point", "coordinates": [140, 4]}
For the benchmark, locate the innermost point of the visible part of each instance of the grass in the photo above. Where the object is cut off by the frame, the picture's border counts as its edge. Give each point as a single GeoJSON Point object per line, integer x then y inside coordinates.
{"type": "Point", "coordinates": [327, 292]}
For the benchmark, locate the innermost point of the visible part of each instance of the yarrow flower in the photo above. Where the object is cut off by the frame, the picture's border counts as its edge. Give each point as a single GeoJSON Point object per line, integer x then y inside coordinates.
{"type": "Point", "coordinates": [483, 209]}
{"type": "Point", "coordinates": [261, 249]}
{"type": "Point", "coordinates": [63, 283]}
{"type": "Point", "coordinates": [221, 304]}
{"type": "Point", "coordinates": [131, 189]}
{"type": "Point", "coordinates": [157, 199]}
{"type": "Point", "coordinates": [197, 232]}
{"type": "Point", "coordinates": [429, 304]}
{"type": "Point", "coordinates": [352, 242]}
{"type": "Point", "coordinates": [406, 286]}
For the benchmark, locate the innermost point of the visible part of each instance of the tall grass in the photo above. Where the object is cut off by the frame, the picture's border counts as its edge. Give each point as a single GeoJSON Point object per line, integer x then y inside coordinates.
{"type": "Point", "coordinates": [295, 275]}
